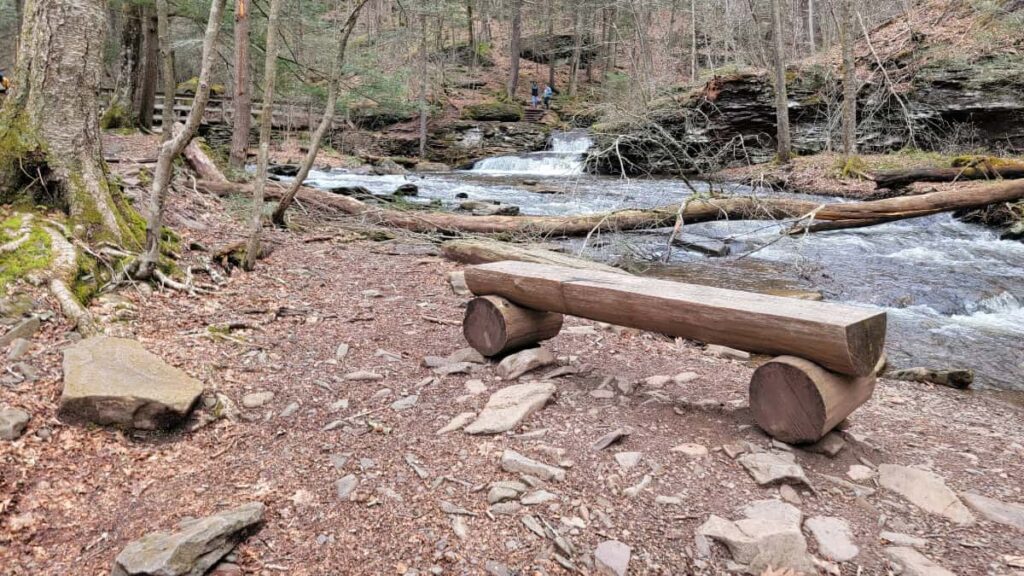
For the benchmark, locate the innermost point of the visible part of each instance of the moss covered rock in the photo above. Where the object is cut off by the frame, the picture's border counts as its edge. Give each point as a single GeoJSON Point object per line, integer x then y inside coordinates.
{"type": "Point", "coordinates": [494, 112]}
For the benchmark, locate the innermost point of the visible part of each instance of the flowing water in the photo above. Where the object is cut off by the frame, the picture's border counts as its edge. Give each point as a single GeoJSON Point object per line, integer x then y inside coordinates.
{"type": "Point", "coordinates": [953, 291]}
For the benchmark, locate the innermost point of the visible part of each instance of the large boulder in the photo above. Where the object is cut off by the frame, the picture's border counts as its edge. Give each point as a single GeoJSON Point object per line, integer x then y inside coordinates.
{"type": "Point", "coordinates": [493, 112]}
{"type": "Point", "coordinates": [193, 549]}
{"type": "Point", "coordinates": [115, 381]}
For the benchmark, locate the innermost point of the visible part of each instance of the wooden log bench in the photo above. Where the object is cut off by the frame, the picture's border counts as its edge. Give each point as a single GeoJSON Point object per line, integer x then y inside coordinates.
{"type": "Point", "coordinates": [827, 354]}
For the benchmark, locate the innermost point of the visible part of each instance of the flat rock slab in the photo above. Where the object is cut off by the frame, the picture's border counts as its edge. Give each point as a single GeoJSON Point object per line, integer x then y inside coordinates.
{"type": "Point", "coordinates": [769, 537]}
{"type": "Point", "coordinates": [914, 563]}
{"type": "Point", "coordinates": [926, 490]}
{"type": "Point", "coordinates": [190, 551]}
{"type": "Point", "coordinates": [115, 381]}
{"type": "Point", "coordinates": [611, 558]}
{"type": "Point", "coordinates": [508, 407]}
{"type": "Point", "coordinates": [1008, 513]}
{"type": "Point", "coordinates": [516, 365]}
{"type": "Point", "coordinates": [24, 330]}
{"type": "Point", "coordinates": [769, 469]}
{"type": "Point", "coordinates": [834, 538]}
{"type": "Point", "coordinates": [457, 423]}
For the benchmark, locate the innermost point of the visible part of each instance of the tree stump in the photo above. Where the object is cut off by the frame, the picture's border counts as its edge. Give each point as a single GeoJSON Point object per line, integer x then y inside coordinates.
{"type": "Point", "coordinates": [495, 326]}
{"type": "Point", "coordinates": [798, 402]}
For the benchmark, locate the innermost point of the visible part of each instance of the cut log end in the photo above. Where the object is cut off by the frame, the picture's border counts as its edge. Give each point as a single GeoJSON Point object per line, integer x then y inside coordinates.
{"type": "Point", "coordinates": [798, 402]}
{"type": "Point", "coordinates": [495, 326]}
{"type": "Point", "coordinates": [867, 344]}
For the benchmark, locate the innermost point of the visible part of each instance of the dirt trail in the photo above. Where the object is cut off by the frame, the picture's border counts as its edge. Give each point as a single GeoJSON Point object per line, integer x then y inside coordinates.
{"type": "Point", "coordinates": [72, 497]}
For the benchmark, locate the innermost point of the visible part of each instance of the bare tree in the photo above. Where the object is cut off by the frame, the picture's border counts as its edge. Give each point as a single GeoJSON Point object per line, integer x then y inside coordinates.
{"type": "Point", "coordinates": [517, 30]}
{"type": "Point", "coordinates": [252, 247]}
{"type": "Point", "coordinates": [846, 33]}
{"type": "Point", "coordinates": [243, 88]}
{"type": "Point", "coordinates": [325, 121]}
{"type": "Point", "coordinates": [175, 141]}
{"type": "Point", "coordinates": [163, 19]}
{"type": "Point", "coordinates": [781, 96]}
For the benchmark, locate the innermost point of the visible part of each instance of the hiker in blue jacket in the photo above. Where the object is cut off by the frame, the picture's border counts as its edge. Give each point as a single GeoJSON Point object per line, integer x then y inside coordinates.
{"type": "Point", "coordinates": [548, 93]}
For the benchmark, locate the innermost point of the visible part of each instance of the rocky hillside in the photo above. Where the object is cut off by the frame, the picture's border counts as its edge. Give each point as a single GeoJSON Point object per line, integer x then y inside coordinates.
{"type": "Point", "coordinates": [946, 77]}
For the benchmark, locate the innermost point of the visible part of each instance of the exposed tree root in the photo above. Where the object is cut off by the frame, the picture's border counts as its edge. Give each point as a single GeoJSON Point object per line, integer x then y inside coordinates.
{"type": "Point", "coordinates": [65, 258]}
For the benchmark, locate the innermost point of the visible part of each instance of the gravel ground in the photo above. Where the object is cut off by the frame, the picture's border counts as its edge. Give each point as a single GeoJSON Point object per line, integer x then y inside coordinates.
{"type": "Point", "coordinates": [72, 497]}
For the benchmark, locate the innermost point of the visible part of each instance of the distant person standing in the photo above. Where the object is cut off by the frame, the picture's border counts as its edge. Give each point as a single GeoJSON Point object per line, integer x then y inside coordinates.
{"type": "Point", "coordinates": [534, 95]}
{"type": "Point", "coordinates": [548, 93]}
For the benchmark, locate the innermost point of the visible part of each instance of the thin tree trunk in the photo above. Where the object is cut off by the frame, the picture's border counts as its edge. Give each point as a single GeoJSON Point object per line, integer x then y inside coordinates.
{"type": "Point", "coordinates": [325, 121]}
{"type": "Point", "coordinates": [472, 38]}
{"type": "Point", "coordinates": [577, 47]}
{"type": "Point", "coordinates": [163, 18]}
{"type": "Point", "coordinates": [252, 247]}
{"type": "Point", "coordinates": [781, 96]}
{"type": "Point", "coordinates": [810, 26]}
{"type": "Point", "coordinates": [693, 41]}
{"type": "Point", "coordinates": [846, 27]}
{"type": "Point", "coordinates": [49, 120]}
{"type": "Point", "coordinates": [175, 140]}
{"type": "Point", "coordinates": [551, 44]}
{"type": "Point", "coordinates": [119, 113]}
{"type": "Point", "coordinates": [19, 12]}
{"type": "Point", "coordinates": [145, 100]}
{"type": "Point", "coordinates": [513, 78]}
{"type": "Point", "coordinates": [424, 70]}
{"type": "Point", "coordinates": [243, 88]}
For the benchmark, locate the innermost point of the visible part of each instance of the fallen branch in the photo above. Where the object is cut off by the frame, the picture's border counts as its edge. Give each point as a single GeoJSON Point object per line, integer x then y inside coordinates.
{"type": "Point", "coordinates": [1004, 170]}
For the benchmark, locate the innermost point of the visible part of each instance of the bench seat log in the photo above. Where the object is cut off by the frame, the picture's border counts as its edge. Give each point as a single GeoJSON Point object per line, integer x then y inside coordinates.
{"type": "Point", "coordinates": [843, 339]}
{"type": "Point", "coordinates": [494, 326]}
{"type": "Point", "coordinates": [798, 402]}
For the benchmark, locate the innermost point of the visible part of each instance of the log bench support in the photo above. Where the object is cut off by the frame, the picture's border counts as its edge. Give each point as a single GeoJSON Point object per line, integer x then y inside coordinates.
{"type": "Point", "coordinates": [831, 352]}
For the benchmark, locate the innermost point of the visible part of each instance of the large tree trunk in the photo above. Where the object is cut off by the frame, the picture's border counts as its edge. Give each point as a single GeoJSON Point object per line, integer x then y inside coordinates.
{"type": "Point", "coordinates": [513, 50]}
{"type": "Point", "coordinates": [145, 97]}
{"type": "Point", "coordinates": [175, 141]}
{"type": "Point", "coordinates": [781, 96]}
{"type": "Point", "coordinates": [325, 121]}
{"type": "Point", "coordinates": [49, 128]}
{"type": "Point", "coordinates": [243, 88]}
{"type": "Point", "coordinates": [252, 247]}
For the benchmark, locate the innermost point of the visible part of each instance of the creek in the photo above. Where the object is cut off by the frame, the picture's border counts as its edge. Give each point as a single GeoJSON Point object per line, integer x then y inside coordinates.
{"type": "Point", "coordinates": [953, 291]}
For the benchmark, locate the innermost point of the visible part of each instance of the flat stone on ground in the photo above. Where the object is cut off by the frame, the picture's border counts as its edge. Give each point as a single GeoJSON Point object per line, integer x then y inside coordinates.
{"type": "Point", "coordinates": [345, 486]}
{"type": "Point", "coordinates": [610, 438]}
{"type": "Point", "coordinates": [12, 423]}
{"type": "Point", "coordinates": [24, 329]}
{"type": "Point", "coordinates": [769, 469]}
{"type": "Point", "coordinates": [190, 551]}
{"type": "Point", "coordinates": [256, 399]}
{"type": "Point", "coordinates": [691, 450]}
{"type": "Point", "coordinates": [115, 381]}
{"type": "Point", "coordinates": [726, 352]}
{"type": "Point", "coordinates": [914, 563]}
{"type": "Point", "coordinates": [628, 460]}
{"type": "Point", "coordinates": [516, 463]}
{"type": "Point", "coordinates": [508, 407]}
{"type": "Point", "coordinates": [834, 538]}
{"type": "Point", "coordinates": [1008, 513]}
{"type": "Point", "coordinates": [457, 423]}
{"type": "Point", "coordinates": [516, 365]}
{"type": "Point", "coordinates": [611, 558]}
{"type": "Point", "coordinates": [770, 537]}
{"type": "Point", "coordinates": [926, 490]}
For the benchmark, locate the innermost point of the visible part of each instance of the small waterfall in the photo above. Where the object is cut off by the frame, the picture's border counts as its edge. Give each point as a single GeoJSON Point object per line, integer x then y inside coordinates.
{"type": "Point", "coordinates": [564, 157]}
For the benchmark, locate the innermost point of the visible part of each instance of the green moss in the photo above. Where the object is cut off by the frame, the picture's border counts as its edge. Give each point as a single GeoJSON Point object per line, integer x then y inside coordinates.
{"type": "Point", "coordinates": [493, 111]}
{"type": "Point", "coordinates": [116, 116]}
{"type": "Point", "coordinates": [35, 254]}
{"type": "Point", "coordinates": [853, 167]}
{"type": "Point", "coordinates": [88, 277]}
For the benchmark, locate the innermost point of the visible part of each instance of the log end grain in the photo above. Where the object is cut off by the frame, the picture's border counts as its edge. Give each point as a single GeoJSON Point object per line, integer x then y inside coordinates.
{"type": "Point", "coordinates": [798, 402]}
{"type": "Point", "coordinates": [495, 326]}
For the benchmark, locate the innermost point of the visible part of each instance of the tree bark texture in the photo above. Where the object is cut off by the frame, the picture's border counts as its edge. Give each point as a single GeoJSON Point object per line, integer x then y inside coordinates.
{"type": "Point", "coordinates": [243, 88]}
{"type": "Point", "coordinates": [49, 127]}
{"type": "Point", "coordinates": [513, 51]}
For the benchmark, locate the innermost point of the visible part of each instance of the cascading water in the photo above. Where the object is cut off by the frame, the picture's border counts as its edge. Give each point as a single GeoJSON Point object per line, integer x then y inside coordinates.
{"type": "Point", "coordinates": [564, 157]}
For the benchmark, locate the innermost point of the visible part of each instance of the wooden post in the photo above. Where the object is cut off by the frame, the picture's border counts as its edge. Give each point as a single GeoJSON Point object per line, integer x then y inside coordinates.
{"type": "Point", "coordinates": [797, 401]}
{"type": "Point", "coordinates": [495, 326]}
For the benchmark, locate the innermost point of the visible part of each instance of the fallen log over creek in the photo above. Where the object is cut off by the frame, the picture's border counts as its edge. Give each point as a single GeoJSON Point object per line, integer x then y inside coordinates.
{"type": "Point", "coordinates": [994, 170]}
{"type": "Point", "coordinates": [810, 216]}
